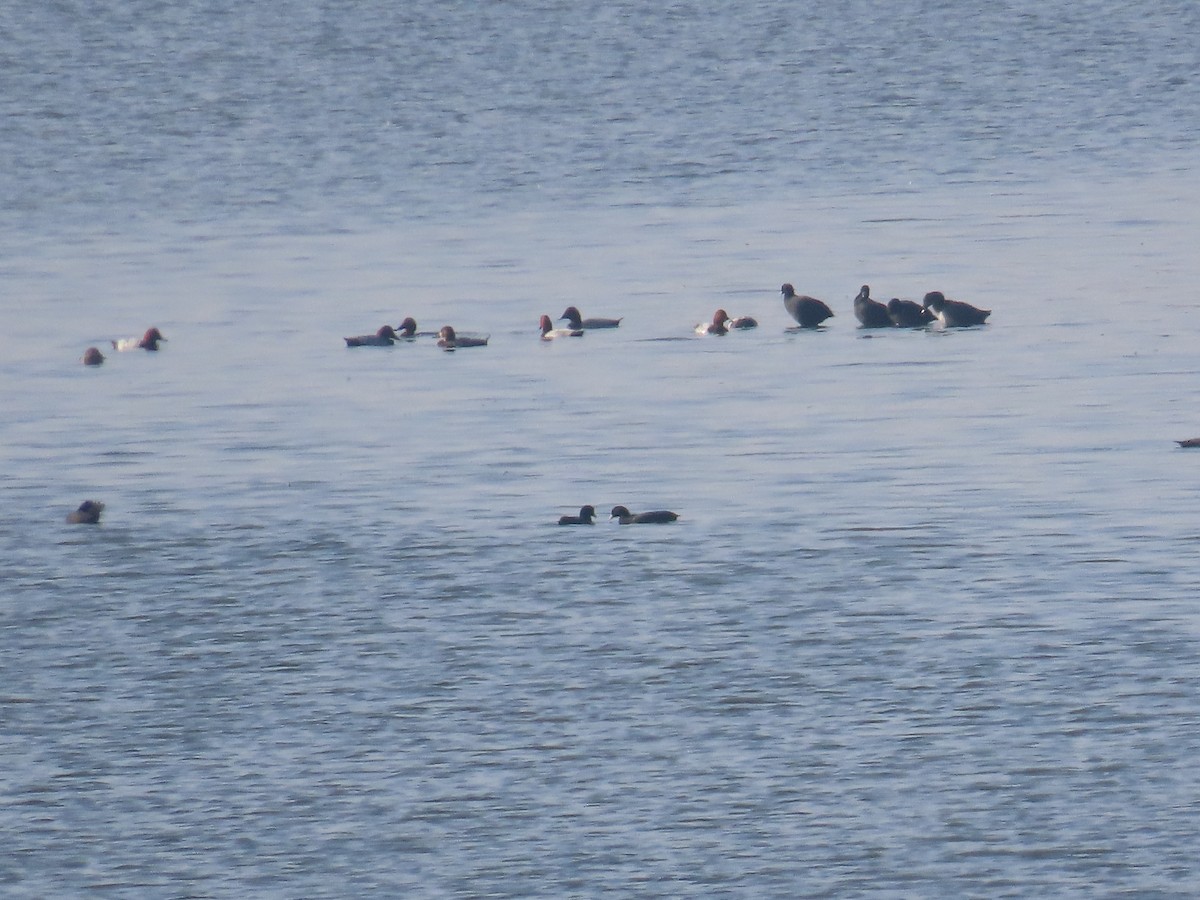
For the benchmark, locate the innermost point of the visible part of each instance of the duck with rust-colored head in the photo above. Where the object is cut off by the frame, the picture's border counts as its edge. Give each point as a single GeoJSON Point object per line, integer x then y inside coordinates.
{"type": "Point", "coordinates": [809, 312]}
{"type": "Point", "coordinates": [384, 337]}
{"type": "Point", "coordinates": [870, 313]}
{"type": "Point", "coordinates": [955, 313]}
{"type": "Point", "coordinates": [654, 517]}
{"type": "Point", "coordinates": [573, 318]}
{"type": "Point", "coordinates": [148, 341]}
{"type": "Point", "coordinates": [87, 514]}
{"type": "Point", "coordinates": [586, 514]}
{"type": "Point", "coordinates": [716, 326]}
{"type": "Point", "coordinates": [550, 333]}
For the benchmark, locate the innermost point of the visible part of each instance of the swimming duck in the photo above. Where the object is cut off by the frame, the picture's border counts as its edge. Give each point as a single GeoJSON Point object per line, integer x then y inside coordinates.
{"type": "Point", "coordinates": [92, 357]}
{"type": "Point", "coordinates": [955, 313]}
{"type": "Point", "coordinates": [586, 514]}
{"type": "Point", "coordinates": [448, 340]}
{"type": "Point", "coordinates": [870, 313]}
{"type": "Point", "coordinates": [1190, 442]}
{"type": "Point", "coordinates": [655, 517]}
{"type": "Point", "coordinates": [549, 332]}
{"type": "Point", "coordinates": [716, 326]}
{"type": "Point", "coordinates": [575, 320]}
{"type": "Point", "coordinates": [741, 323]}
{"type": "Point", "coordinates": [87, 514]}
{"type": "Point", "coordinates": [407, 329]}
{"type": "Point", "coordinates": [808, 311]}
{"type": "Point", "coordinates": [384, 337]}
{"type": "Point", "coordinates": [909, 313]}
{"type": "Point", "coordinates": [148, 341]}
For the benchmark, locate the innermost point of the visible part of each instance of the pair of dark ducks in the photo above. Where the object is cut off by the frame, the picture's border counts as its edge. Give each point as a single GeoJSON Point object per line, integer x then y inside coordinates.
{"type": "Point", "coordinates": [622, 515]}
{"type": "Point", "coordinates": [897, 313]}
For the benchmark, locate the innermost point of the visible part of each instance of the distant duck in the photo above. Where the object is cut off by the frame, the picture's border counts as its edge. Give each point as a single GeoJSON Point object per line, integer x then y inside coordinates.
{"type": "Point", "coordinates": [92, 357]}
{"type": "Point", "coordinates": [741, 323]}
{"type": "Point", "coordinates": [655, 517]}
{"type": "Point", "coordinates": [808, 311]}
{"type": "Point", "coordinates": [871, 313]}
{"type": "Point", "coordinates": [549, 332]}
{"type": "Point", "coordinates": [384, 337]}
{"type": "Point", "coordinates": [148, 341]}
{"type": "Point", "coordinates": [909, 313]}
{"type": "Point", "coordinates": [717, 325]}
{"type": "Point", "coordinates": [87, 514]}
{"type": "Point", "coordinates": [1190, 442]}
{"type": "Point", "coordinates": [448, 340]}
{"type": "Point", "coordinates": [586, 514]}
{"type": "Point", "coordinates": [575, 320]}
{"type": "Point", "coordinates": [955, 313]}
{"type": "Point", "coordinates": [407, 329]}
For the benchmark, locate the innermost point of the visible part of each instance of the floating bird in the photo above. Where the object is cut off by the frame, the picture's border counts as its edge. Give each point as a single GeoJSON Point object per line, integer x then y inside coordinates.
{"type": "Point", "coordinates": [955, 313]}
{"type": "Point", "coordinates": [655, 517]}
{"type": "Point", "coordinates": [909, 313]}
{"type": "Point", "coordinates": [384, 337]}
{"type": "Point", "coordinates": [575, 320]}
{"type": "Point", "coordinates": [92, 357]}
{"type": "Point", "coordinates": [549, 332]}
{"type": "Point", "coordinates": [586, 514]}
{"type": "Point", "coordinates": [448, 340]}
{"type": "Point", "coordinates": [808, 311]}
{"type": "Point", "coordinates": [1190, 442]}
{"type": "Point", "coordinates": [871, 313]}
{"type": "Point", "coordinates": [407, 328]}
{"type": "Point", "coordinates": [87, 514]}
{"type": "Point", "coordinates": [148, 341]}
{"type": "Point", "coordinates": [716, 326]}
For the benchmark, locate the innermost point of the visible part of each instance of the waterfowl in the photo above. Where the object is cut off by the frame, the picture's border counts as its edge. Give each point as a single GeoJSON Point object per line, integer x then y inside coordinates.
{"type": "Point", "coordinates": [384, 337]}
{"type": "Point", "coordinates": [909, 313]}
{"type": "Point", "coordinates": [1190, 442]}
{"type": "Point", "coordinates": [586, 514]}
{"type": "Point", "coordinates": [654, 517]}
{"type": "Point", "coordinates": [808, 311]}
{"type": "Point", "coordinates": [955, 313]}
{"type": "Point", "coordinates": [742, 322]}
{"type": "Point", "coordinates": [870, 313]}
{"type": "Point", "coordinates": [716, 326]}
{"type": "Point", "coordinates": [87, 514]}
{"type": "Point", "coordinates": [549, 332]}
{"type": "Point", "coordinates": [148, 341]}
{"type": "Point", "coordinates": [448, 340]}
{"type": "Point", "coordinates": [92, 357]}
{"type": "Point", "coordinates": [575, 320]}
{"type": "Point", "coordinates": [407, 328]}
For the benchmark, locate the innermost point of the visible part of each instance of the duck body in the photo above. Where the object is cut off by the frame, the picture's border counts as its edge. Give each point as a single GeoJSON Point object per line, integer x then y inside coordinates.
{"type": "Point", "coordinates": [384, 337]}
{"type": "Point", "coordinates": [809, 312]}
{"type": "Point", "coordinates": [92, 357]}
{"type": "Point", "coordinates": [871, 313]}
{"type": "Point", "coordinates": [955, 313]}
{"type": "Point", "coordinates": [1190, 442]}
{"type": "Point", "coordinates": [575, 320]}
{"type": "Point", "coordinates": [909, 314]}
{"type": "Point", "coordinates": [741, 323]}
{"type": "Point", "coordinates": [585, 517]}
{"type": "Point", "coordinates": [550, 333]}
{"type": "Point", "coordinates": [448, 339]}
{"type": "Point", "coordinates": [718, 325]}
{"type": "Point", "coordinates": [148, 341]}
{"type": "Point", "coordinates": [654, 517]}
{"type": "Point", "coordinates": [87, 514]}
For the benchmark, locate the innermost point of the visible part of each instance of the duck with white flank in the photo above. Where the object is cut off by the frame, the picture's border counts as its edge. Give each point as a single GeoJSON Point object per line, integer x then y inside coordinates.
{"type": "Point", "coordinates": [871, 313]}
{"type": "Point", "coordinates": [955, 313]}
{"type": "Point", "coordinates": [575, 320]}
{"type": "Point", "coordinates": [809, 312]}
{"type": "Point", "coordinates": [550, 333]}
{"type": "Point", "coordinates": [716, 326]}
{"type": "Point", "coordinates": [148, 341]}
{"type": "Point", "coordinates": [654, 517]}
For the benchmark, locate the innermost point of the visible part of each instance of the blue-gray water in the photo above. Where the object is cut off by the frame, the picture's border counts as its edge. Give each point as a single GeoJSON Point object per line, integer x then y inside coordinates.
{"type": "Point", "coordinates": [926, 627]}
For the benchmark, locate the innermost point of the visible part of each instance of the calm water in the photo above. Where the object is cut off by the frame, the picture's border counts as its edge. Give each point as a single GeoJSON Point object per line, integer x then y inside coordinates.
{"type": "Point", "coordinates": [926, 626]}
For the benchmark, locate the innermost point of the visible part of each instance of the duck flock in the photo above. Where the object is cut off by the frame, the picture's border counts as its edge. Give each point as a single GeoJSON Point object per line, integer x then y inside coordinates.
{"type": "Point", "coordinates": [808, 312]}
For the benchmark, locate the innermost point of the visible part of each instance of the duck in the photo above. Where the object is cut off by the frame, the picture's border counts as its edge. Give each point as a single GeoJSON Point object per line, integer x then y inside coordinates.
{"type": "Point", "coordinates": [654, 517]}
{"type": "Point", "coordinates": [871, 313]}
{"type": "Point", "coordinates": [586, 514]}
{"type": "Point", "coordinates": [407, 329]}
{"type": "Point", "coordinates": [448, 340]}
{"type": "Point", "coordinates": [716, 326]}
{"type": "Point", "coordinates": [549, 332]}
{"type": "Point", "coordinates": [384, 337]}
{"type": "Point", "coordinates": [92, 357]}
{"type": "Point", "coordinates": [808, 311]}
{"type": "Point", "coordinates": [909, 313]}
{"type": "Point", "coordinates": [575, 320]}
{"type": "Point", "coordinates": [955, 313]}
{"type": "Point", "coordinates": [1190, 442]}
{"type": "Point", "coordinates": [148, 341]}
{"type": "Point", "coordinates": [87, 514]}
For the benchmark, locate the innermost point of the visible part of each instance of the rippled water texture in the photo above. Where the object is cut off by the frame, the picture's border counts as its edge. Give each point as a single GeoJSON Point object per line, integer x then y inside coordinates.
{"type": "Point", "coordinates": [926, 625]}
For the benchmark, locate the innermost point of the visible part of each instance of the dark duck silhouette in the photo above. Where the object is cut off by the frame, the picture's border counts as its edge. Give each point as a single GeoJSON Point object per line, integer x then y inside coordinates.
{"type": "Point", "coordinates": [809, 312]}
